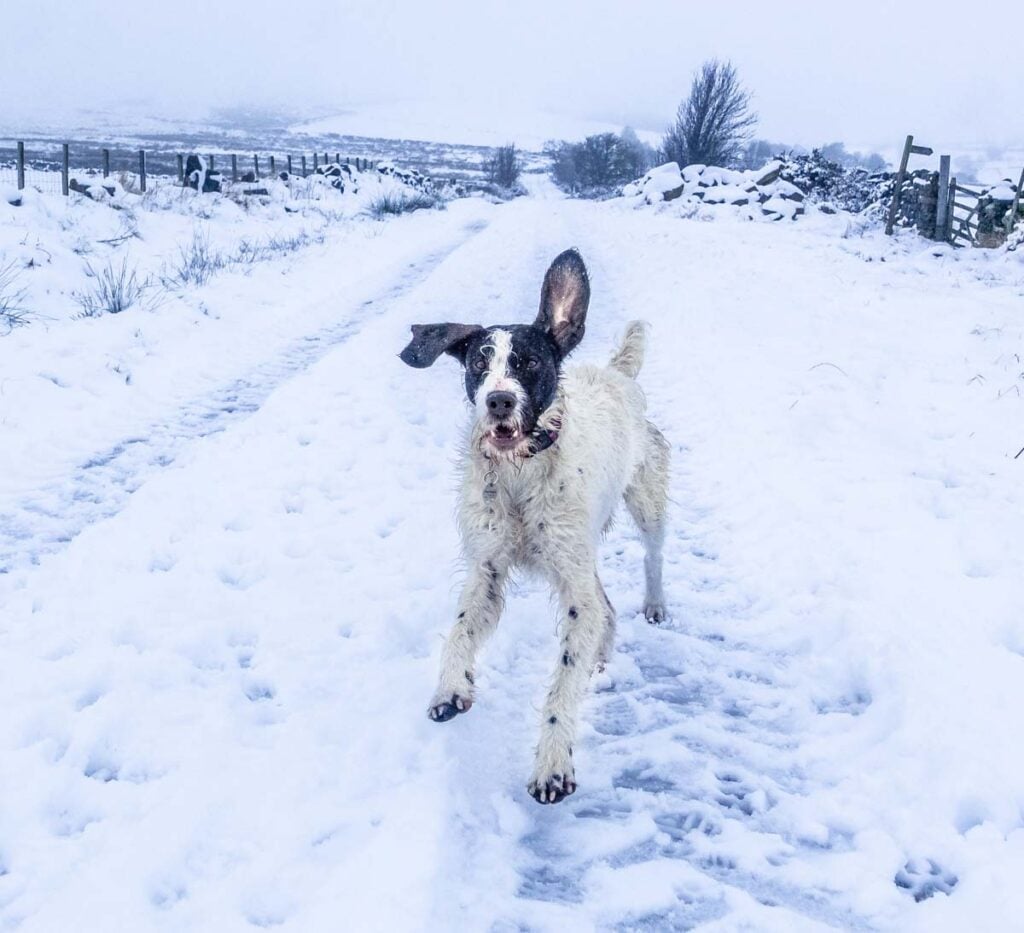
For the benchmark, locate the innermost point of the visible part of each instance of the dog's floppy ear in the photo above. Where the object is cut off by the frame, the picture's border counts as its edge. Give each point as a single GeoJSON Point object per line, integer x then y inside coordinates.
{"type": "Point", "coordinates": [429, 341]}
{"type": "Point", "coordinates": [564, 297]}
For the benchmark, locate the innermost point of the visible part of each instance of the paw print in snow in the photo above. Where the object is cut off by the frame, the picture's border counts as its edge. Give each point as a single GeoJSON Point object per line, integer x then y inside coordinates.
{"type": "Point", "coordinates": [737, 794]}
{"type": "Point", "coordinates": [922, 877]}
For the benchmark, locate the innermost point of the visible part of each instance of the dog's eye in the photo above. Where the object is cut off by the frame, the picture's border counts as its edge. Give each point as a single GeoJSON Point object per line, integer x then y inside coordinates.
{"type": "Point", "coordinates": [531, 363]}
{"type": "Point", "coordinates": [480, 365]}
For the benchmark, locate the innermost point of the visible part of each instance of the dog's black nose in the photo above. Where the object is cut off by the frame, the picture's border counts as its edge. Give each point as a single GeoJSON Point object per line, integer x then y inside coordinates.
{"type": "Point", "coordinates": [501, 404]}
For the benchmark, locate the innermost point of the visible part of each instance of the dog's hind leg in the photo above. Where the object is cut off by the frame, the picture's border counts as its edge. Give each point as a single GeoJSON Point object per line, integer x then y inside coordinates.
{"type": "Point", "coordinates": [585, 626]}
{"type": "Point", "coordinates": [607, 648]}
{"type": "Point", "coordinates": [647, 500]}
{"type": "Point", "coordinates": [479, 610]}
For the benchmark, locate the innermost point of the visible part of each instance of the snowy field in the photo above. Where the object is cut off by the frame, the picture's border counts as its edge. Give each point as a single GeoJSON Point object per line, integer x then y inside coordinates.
{"type": "Point", "coordinates": [228, 558]}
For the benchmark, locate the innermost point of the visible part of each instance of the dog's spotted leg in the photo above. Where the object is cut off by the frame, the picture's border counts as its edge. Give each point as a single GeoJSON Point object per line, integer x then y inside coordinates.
{"type": "Point", "coordinates": [479, 609]}
{"type": "Point", "coordinates": [607, 649]}
{"type": "Point", "coordinates": [584, 625]}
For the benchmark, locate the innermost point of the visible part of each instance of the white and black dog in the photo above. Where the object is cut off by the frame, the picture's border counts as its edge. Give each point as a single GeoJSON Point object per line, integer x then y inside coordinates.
{"type": "Point", "coordinates": [550, 454]}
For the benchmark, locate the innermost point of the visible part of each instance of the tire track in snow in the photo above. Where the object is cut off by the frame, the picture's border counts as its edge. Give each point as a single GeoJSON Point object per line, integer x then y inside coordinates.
{"type": "Point", "coordinates": [47, 520]}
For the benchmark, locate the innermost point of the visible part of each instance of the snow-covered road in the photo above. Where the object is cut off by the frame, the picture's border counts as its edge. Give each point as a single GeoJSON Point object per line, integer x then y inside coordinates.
{"type": "Point", "coordinates": [216, 670]}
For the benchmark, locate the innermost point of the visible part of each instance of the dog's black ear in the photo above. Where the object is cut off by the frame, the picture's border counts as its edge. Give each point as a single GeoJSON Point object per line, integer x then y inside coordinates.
{"type": "Point", "coordinates": [429, 341]}
{"type": "Point", "coordinates": [564, 298]}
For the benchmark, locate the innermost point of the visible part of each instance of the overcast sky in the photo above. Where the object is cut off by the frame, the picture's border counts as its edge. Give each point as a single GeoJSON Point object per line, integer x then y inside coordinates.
{"type": "Point", "coordinates": [863, 73]}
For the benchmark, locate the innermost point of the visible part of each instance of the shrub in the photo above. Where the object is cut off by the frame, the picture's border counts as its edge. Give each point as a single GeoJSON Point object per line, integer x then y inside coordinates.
{"type": "Point", "coordinates": [504, 167]}
{"type": "Point", "coordinates": [402, 204]}
{"type": "Point", "coordinates": [13, 312]}
{"type": "Point", "coordinates": [713, 123]}
{"type": "Point", "coordinates": [114, 290]}
{"type": "Point", "coordinates": [600, 163]}
{"type": "Point", "coordinates": [828, 182]}
{"type": "Point", "coordinates": [196, 264]}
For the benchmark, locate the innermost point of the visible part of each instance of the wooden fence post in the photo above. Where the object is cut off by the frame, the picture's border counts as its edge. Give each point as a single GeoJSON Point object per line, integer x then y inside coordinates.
{"type": "Point", "coordinates": [942, 206]}
{"type": "Point", "coordinates": [181, 169]}
{"type": "Point", "coordinates": [234, 167]}
{"type": "Point", "coordinates": [21, 165]}
{"type": "Point", "coordinates": [337, 157]}
{"type": "Point", "coordinates": [106, 163]}
{"type": "Point", "coordinates": [142, 169]}
{"type": "Point", "coordinates": [289, 163]}
{"type": "Point", "coordinates": [210, 157]}
{"type": "Point", "coordinates": [314, 161]}
{"type": "Point", "coordinates": [256, 167]}
{"type": "Point", "coordinates": [65, 168]}
{"type": "Point", "coordinates": [273, 168]}
{"type": "Point", "coordinates": [303, 166]}
{"type": "Point", "coordinates": [897, 193]}
{"type": "Point", "coordinates": [952, 209]}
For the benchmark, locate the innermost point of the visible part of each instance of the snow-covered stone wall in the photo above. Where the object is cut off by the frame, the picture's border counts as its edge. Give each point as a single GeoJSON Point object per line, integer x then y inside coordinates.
{"type": "Point", "coordinates": [756, 195]}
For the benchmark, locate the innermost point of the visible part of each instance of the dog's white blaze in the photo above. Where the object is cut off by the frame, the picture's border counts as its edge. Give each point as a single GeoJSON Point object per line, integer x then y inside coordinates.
{"type": "Point", "coordinates": [498, 378]}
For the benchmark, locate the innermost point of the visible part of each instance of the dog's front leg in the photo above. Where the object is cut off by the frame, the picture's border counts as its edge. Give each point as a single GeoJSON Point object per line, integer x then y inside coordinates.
{"type": "Point", "coordinates": [584, 625]}
{"type": "Point", "coordinates": [479, 610]}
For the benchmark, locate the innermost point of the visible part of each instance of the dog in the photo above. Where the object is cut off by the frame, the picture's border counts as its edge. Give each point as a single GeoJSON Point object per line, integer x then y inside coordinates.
{"type": "Point", "coordinates": [549, 455]}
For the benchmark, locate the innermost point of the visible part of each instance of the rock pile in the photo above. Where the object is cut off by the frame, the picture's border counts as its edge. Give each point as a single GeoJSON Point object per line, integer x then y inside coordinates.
{"type": "Point", "coordinates": [758, 195]}
{"type": "Point", "coordinates": [345, 176]}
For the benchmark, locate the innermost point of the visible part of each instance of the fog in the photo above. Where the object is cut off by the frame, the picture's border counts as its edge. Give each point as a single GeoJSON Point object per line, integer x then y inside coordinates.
{"type": "Point", "coordinates": [863, 74]}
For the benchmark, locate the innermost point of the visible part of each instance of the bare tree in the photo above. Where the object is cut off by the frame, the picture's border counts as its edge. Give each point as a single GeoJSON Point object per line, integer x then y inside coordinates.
{"type": "Point", "coordinates": [505, 166]}
{"type": "Point", "coordinates": [713, 123]}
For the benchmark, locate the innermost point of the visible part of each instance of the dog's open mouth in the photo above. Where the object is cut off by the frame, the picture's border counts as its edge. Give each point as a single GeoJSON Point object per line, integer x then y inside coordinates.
{"type": "Point", "coordinates": [504, 436]}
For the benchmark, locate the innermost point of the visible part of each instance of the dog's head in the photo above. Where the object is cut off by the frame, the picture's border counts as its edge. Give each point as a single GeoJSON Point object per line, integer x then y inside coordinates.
{"type": "Point", "coordinates": [512, 370]}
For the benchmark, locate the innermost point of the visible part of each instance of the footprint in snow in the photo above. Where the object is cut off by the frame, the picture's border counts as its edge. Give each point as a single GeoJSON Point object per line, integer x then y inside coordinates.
{"type": "Point", "coordinates": [853, 703]}
{"type": "Point", "coordinates": [259, 692]}
{"type": "Point", "coordinates": [643, 778]}
{"type": "Point", "coordinates": [736, 794]}
{"type": "Point", "coordinates": [923, 877]}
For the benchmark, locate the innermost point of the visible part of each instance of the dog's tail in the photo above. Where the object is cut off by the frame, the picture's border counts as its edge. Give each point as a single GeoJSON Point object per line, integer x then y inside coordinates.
{"type": "Point", "coordinates": [629, 357]}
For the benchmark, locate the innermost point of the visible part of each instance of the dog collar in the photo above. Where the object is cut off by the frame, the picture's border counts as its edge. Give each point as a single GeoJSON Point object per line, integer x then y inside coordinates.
{"type": "Point", "coordinates": [542, 438]}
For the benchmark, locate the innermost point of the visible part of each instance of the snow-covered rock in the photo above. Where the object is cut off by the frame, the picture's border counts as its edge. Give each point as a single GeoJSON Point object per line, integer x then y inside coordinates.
{"type": "Point", "coordinates": [98, 189]}
{"type": "Point", "coordinates": [727, 194]}
{"type": "Point", "coordinates": [1002, 193]}
{"type": "Point", "coordinates": [663, 183]}
{"type": "Point", "coordinates": [760, 194]}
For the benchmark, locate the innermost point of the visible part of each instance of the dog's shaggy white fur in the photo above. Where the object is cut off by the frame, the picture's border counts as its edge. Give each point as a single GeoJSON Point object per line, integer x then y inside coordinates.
{"type": "Point", "coordinates": [547, 513]}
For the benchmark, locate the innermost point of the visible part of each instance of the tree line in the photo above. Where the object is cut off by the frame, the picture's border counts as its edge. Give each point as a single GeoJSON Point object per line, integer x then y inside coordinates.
{"type": "Point", "coordinates": [713, 125]}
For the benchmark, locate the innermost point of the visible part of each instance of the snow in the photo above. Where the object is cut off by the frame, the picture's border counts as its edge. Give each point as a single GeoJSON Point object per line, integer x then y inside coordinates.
{"type": "Point", "coordinates": [1002, 193]}
{"type": "Point", "coordinates": [227, 577]}
{"type": "Point", "coordinates": [781, 206]}
{"type": "Point", "coordinates": [727, 194]}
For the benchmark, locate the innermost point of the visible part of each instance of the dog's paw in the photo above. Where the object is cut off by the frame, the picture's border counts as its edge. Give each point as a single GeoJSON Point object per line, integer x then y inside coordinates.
{"type": "Point", "coordinates": [443, 710]}
{"type": "Point", "coordinates": [554, 777]}
{"type": "Point", "coordinates": [553, 787]}
{"type": "Point", "coordinates": [655, 613]}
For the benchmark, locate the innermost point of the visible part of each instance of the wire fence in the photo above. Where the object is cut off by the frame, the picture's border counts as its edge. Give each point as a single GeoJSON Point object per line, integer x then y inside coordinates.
{"type": "Point", "coordinates": [50, 168]}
